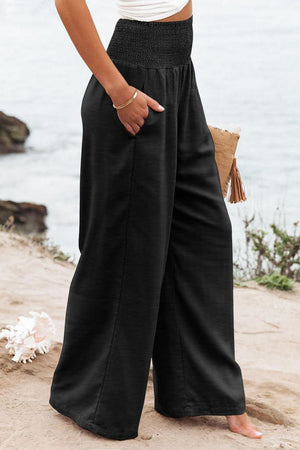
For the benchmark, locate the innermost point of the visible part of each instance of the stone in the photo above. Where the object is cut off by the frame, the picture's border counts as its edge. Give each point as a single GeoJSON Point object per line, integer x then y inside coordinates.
{"type": "Point", "coordinates": [24, 217]}
{"type": "Point", "coordinates": [13, 134]}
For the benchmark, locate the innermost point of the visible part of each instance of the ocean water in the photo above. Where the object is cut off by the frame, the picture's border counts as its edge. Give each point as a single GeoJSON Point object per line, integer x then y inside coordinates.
{"type": "Point", "coordinates": [247, 62]}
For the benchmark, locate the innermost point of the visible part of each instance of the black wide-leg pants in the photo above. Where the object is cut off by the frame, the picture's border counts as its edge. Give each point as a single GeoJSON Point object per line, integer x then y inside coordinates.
{"type": "Point", "coordinates": [154, 278]}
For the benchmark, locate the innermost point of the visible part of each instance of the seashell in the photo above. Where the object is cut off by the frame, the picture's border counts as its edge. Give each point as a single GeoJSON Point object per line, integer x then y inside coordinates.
{"type": "Point", "coordinates": [30, 335]}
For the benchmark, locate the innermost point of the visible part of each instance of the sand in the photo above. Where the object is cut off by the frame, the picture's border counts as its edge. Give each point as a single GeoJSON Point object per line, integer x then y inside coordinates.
{"type": "Point", "coordinates": [267, 349]}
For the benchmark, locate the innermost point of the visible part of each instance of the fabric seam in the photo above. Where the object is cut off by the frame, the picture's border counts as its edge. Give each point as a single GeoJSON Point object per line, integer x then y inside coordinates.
{"type": "Point", "coordinates": [198, 410]}
{"type": "Point", "coordinates": [134, 64]}
{"type": "Point", "coordinates": [100, 394]}
{"type": "Point", "coordinates": [177, 322]}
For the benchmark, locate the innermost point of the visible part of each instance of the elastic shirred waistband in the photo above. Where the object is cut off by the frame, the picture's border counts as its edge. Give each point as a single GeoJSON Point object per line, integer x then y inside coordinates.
{"type": "Point", "coordinates": [152, 44]}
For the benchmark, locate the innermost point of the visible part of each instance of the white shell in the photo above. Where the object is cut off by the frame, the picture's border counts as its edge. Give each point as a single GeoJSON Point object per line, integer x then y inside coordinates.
{"type": "Point", "coordinates": [28, 336]}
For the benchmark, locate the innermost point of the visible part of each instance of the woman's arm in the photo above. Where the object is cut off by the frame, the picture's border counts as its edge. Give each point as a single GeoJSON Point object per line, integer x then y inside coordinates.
{"type": "Point", "coordinates": [80, 26]}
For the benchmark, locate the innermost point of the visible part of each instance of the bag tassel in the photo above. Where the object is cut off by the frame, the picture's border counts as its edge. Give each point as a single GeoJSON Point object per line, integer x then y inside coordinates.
{"type": "Point", "coordinates": [237, 193]}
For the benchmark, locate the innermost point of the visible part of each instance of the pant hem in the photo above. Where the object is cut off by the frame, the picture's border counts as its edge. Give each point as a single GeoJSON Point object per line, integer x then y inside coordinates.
{"type": "Point", "coordinates": [202, 411]}
{"type": "Point", "coordinates": [90, 426]}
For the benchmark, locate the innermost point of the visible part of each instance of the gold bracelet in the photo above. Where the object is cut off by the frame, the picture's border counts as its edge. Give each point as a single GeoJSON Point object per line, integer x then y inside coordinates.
{"type": "Point", "coordinates": [127, 103]}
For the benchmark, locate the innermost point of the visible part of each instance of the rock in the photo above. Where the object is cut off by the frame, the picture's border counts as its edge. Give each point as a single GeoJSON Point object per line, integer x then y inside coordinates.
{"type": "Point", "coordinates": [24, 217]}
{"type": "Point", "coordinates": [13, 134]}
{"type": "Point", "coordinates": [146, 436]}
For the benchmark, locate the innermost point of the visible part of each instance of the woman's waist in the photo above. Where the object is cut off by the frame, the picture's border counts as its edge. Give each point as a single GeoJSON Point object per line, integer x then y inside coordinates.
{"type": "Point", "coordinates": [152, 44]}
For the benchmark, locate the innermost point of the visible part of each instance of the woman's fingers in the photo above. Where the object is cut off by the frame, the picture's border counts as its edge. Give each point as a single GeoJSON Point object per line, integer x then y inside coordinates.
{"type": "Point", "coordinates": [152, 103]}
{"type": "Point", "coordinates": [133, 117]}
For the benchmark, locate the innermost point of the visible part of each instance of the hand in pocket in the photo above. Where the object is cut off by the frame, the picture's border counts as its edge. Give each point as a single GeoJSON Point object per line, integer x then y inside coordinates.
{"type": "Point", "coordinates": [133, 116]}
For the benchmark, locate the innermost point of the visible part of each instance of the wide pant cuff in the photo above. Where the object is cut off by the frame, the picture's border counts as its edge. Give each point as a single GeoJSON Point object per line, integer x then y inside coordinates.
{"type": "Point", "coordinates": [200, 410]}
{"type": "Point", "coordinates": [90, 426]}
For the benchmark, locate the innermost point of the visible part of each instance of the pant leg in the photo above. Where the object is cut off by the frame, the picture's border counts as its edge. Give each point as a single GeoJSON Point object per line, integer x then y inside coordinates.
{"type": "Point", "coordinates": [194, 367]}
{"type": "Point", "coordinates": [126, 194]}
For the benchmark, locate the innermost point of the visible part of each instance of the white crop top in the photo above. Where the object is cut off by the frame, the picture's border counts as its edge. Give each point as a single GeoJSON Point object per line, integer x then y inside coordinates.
{"type": "Point", "coordinates": [148, 10]}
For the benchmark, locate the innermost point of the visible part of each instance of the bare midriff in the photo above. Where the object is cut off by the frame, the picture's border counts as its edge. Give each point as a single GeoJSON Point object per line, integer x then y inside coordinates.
{"type": "Point", "coordinates": [183, 14]}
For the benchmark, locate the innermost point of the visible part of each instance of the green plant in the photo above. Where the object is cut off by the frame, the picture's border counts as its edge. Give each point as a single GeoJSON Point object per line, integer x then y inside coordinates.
{"type": "Point", "coordinates": [269, 254]}
{"type": "Point", "coordinates": [276, 281]}
{"type": "Point", "coordinates": [45, 243]}
{"type": "Point", "coordinates": [281, 253]}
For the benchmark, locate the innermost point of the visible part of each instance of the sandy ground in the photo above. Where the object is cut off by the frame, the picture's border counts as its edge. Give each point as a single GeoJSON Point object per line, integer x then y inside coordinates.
{"type": "Point", "coordinates": [267, 349]}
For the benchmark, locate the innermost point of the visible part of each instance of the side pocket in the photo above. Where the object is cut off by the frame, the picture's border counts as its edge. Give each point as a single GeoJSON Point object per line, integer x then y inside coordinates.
{"type": "Point", "coordinates": [118, 121]}
{"type": "Point", "coordinates": [150, 119]}
{"type": "Point", "coordinates": [151, 87]}
{"type": "Point", "coordinates": [135, 76]}
{"type": "Point", "coordinates": [138, 78]}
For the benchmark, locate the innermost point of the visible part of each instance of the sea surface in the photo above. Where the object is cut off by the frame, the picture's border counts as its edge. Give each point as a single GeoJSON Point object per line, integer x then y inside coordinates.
{"type": "Point", "coordinates": [247, 62]}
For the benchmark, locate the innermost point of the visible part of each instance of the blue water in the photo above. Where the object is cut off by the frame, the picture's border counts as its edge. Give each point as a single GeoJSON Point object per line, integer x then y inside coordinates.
{"type": "Point", "coordinates": [247, 61]}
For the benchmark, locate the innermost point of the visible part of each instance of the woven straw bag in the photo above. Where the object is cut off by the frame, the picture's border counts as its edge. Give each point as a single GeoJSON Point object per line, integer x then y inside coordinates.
{"type": "Point", "coordinates": [225, 149]}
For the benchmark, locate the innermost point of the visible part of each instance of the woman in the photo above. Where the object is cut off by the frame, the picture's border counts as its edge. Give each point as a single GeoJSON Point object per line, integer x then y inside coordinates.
{"type": "Point", "coordinates": [154, 278]}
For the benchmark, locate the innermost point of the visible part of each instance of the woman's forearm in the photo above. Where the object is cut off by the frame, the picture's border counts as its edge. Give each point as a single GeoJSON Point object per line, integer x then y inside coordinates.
{"type": "Point", "coordinates": [80, 26]}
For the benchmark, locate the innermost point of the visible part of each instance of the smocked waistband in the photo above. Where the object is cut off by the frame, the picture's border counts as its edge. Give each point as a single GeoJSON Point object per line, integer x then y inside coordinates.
{"type": "Point", "coordinates": [152, 44]}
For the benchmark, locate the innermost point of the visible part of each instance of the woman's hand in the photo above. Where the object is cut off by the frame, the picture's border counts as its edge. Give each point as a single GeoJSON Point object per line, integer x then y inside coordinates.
{"type": "Point", "coordinates": [80, 26]}
{"type": "Point", "coordinates": [133, 115]}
